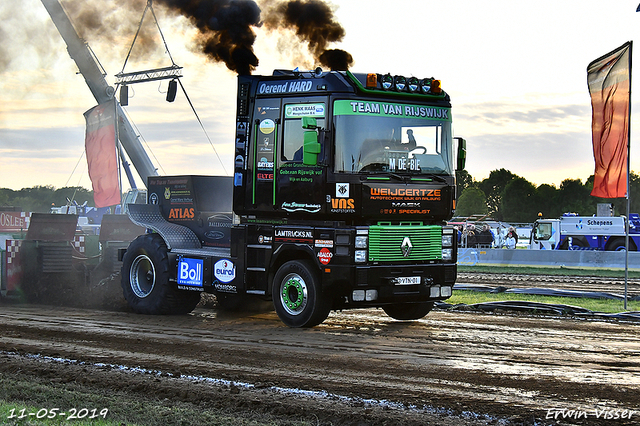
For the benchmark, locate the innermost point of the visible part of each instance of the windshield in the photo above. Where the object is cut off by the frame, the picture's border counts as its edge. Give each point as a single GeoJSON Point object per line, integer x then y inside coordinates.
{"type": "Point", "coordinates": [542, 231]}
{"type": "Point", "coordinates": [392, 137]}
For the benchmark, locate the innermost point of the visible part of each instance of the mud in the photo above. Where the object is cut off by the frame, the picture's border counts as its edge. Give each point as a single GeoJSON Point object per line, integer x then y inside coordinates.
{"type": "Point", "coordinates": [358, 367]}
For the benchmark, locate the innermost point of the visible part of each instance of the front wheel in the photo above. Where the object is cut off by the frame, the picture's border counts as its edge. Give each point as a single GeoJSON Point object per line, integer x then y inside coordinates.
{"type": "Point", "coordinates": [145, 280]}
{"type": "Point", "coordinates": [408, 311]}
{"type": "Point", "coordinates": [297, 295]}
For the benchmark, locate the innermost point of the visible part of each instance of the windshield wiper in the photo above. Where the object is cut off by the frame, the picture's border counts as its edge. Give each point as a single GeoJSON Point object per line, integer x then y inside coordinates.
{"type": "Point", "coordinates": [436, 177]}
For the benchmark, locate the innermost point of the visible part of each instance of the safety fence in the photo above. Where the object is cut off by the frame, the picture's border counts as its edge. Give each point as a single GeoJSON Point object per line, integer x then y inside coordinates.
{"type": "Point", "coordinates": [548, 258]}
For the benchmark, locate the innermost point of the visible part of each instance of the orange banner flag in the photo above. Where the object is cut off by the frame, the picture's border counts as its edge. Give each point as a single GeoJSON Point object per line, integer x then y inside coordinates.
{"type": "Point", "coordinates": [609, 79]}
{"type": "Point", "coordinates": [100, 145]}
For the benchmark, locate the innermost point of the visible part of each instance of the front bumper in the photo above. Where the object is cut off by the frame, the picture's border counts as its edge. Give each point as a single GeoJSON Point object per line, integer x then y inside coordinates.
{"type": "Point", "coordinates": [378, 285]}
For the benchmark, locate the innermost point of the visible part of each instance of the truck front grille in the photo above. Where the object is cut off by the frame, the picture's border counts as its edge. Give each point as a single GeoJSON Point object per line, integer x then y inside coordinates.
{"type": "Point", "coordinates": [386, 243]}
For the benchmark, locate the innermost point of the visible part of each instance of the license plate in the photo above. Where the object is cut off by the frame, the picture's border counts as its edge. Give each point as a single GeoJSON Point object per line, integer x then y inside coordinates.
{"type": "Point", "coordinates": [407, 280]}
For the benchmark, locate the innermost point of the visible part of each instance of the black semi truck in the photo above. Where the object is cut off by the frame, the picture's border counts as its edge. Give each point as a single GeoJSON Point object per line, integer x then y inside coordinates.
{"type": "Point", "coordinates": [341, 190]}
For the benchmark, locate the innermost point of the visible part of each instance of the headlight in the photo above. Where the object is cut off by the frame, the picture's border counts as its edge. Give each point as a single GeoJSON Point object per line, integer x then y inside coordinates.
{"type": "Point", "coordinates": [447, 254]}
{"type": "Point", "coordinates": [414, 84]}
{"type": "Point", "coordinates": [361, 241]}
{"type": "Point", "coordinates": [400, 82]}
{"type": "Point", "coordinates": [386, 81]}
{"type": "Point", "coordinates": [425, 84]}
{"type": "Point", "coordinates": [360, 256]}
{"type": "Point", "coordinates": [447, 240]}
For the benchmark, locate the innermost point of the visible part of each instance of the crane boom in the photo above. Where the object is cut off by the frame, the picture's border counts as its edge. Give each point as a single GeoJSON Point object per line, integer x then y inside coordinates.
{"type": "Point", "coordinates": [102, 92]}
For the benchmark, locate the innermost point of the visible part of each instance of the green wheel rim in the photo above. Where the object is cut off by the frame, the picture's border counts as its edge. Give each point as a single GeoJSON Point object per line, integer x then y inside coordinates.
{"type": "Point", "coordinates": [293, 294]}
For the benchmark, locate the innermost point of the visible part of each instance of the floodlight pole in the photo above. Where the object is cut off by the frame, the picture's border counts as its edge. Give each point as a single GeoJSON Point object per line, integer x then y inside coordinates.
{"type": "Point", "coordinates": [626, 258]}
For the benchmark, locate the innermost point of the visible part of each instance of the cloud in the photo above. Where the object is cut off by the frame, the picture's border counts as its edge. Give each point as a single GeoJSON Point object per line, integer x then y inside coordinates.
{"type": "Point", "coordinates": [501, 114]}
{"type": "Point", "coordinates": [27, 144]}
{"type": "Point", "coordinates": [543, 157]}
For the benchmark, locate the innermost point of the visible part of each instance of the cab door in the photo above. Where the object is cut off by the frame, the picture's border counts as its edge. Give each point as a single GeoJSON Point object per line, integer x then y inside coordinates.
{"type": "Point", "coordinates": [301, 187]}
{"type": "Point", "coordinates": [266, 133]}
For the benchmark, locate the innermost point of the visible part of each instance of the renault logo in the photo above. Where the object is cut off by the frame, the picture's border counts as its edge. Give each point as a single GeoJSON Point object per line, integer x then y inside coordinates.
{"type": "Point", "coordinates": [406, 247]}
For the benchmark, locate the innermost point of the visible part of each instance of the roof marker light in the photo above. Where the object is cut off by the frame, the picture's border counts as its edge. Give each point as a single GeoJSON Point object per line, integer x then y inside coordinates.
{"type": "Point", "coordinates": [435, 87]}
{"type": "Point", "coordinates": [372, 80]}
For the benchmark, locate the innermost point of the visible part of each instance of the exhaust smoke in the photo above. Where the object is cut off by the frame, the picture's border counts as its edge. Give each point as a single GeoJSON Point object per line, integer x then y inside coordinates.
{"type": "Point", "coordinates": [225, 27]}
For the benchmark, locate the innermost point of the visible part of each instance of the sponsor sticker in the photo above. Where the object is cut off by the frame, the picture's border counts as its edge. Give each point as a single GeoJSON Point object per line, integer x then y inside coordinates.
{"type": "Point", "coordinates": [324, 243]}
{"type": "Point", "coordinates": [224, 270]}
{"type": "Point", "coordinates": [190, 272]}
{"type": "Point", "coordinates": [342, 190]}
{"type": "Point", "coordinates": [267, 126]}
{"type": "Point", "coordinates": [325, 256]}
{"type": "Point", "coordinates": [293, 234]}
{"type": "Point", "coordinates": [304, 110]}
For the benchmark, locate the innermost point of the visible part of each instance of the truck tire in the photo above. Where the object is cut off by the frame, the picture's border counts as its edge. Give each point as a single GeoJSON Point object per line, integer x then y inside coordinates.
{"type": "Point", "coordinates": [618, 244]}
{"type": "Point", "coordinates": [408, 311]}
{"type": "Point", "coordinates": [297, 295]}
{"type": "Point", "coordinates": [145, 280]}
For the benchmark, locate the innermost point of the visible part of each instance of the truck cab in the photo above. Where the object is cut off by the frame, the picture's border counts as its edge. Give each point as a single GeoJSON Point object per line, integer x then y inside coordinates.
{"type": "Point", "coordinates": [342, 187]}
{"type": "Point", "coordinates": [574, 232]}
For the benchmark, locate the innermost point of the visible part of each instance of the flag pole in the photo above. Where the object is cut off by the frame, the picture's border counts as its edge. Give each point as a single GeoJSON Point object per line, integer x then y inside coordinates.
{"type": "Point", "coordinates": [626, 259]}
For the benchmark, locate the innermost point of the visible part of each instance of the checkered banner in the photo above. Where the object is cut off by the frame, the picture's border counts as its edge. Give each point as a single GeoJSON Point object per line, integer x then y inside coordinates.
{"type": "Point", "coordinates": [14, 265]}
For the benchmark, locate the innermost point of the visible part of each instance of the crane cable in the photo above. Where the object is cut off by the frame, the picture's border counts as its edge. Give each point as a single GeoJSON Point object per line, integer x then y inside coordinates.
{"type": "Point", "coordinates": [150, 6]}
{"type": "Point", "coordinates": [203, 129]}
{"type": "Point", "coordinates": [166, 47]}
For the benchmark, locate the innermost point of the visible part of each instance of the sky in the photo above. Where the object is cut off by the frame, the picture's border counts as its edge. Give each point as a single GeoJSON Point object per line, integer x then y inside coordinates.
{"type": "Point", "coordinates": [515, 71]}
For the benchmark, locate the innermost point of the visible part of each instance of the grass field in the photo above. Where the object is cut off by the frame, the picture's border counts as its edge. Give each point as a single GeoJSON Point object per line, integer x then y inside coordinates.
{"type": "Point", "coordinates": [596, 305]}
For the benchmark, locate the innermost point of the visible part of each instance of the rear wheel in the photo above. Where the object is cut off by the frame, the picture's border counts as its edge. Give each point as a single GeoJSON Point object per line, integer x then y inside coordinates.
{"type": "Point", "coordinates": [297, 295]}
{"type": "Point", "coordinates": [408, 311]}
{"type": "Point", "coordinates": [618, 244]}
{"type": "Point", "coordinates": [145, 279]}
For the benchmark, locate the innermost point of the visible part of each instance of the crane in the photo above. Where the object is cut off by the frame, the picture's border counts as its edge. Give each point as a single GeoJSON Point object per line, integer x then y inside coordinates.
{"type": "Point", "coordinates": [89, 68]}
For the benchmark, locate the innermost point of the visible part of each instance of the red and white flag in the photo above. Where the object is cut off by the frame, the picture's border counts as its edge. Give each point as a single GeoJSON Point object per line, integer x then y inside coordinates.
{"type": "Point", "coordinates": [100, 145]}
{"type": "Point", "coordinates": [609, 79]}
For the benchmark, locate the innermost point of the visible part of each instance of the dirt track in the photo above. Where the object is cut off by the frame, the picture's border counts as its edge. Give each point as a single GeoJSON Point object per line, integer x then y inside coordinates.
{"type": "Point", "coordinates": [365, 368]}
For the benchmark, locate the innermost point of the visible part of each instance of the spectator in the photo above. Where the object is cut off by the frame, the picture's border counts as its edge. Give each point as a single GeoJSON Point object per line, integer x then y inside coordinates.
{"type": "Point", "coordinates": [512, 238]}
{"type": "Point", "coordinates": [472, 240]}
{"type": "Point", "coordinates": [485, 237]}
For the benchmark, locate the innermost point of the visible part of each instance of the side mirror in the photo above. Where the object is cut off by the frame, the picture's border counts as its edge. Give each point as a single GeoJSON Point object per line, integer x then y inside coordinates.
{"type": "Point", "coordinates": [462, 153]}
{"type": "Point", "coordinates": [310, 147]}
{"type": "Point", "coordinates": [309, 123]}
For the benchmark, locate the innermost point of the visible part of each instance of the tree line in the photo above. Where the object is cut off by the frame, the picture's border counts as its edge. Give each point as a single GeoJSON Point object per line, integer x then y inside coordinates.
{"type": "Point", "coordinates": [40, 199]}
{"type": "Point", "coordinates": [508, 197]}
{"type": "Point", "coordinates": [503, 196]}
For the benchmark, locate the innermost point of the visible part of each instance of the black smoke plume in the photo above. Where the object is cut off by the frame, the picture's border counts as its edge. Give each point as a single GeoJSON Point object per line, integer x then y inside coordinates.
{"type": "Point", "coordinates": [313, 21]}
{"type": "Point", "coordinates": [225, 27]}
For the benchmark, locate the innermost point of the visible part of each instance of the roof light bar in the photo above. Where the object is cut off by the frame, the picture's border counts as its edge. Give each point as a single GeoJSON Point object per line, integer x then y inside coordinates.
{"type": "Point", "coordinates": [399, 83]}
